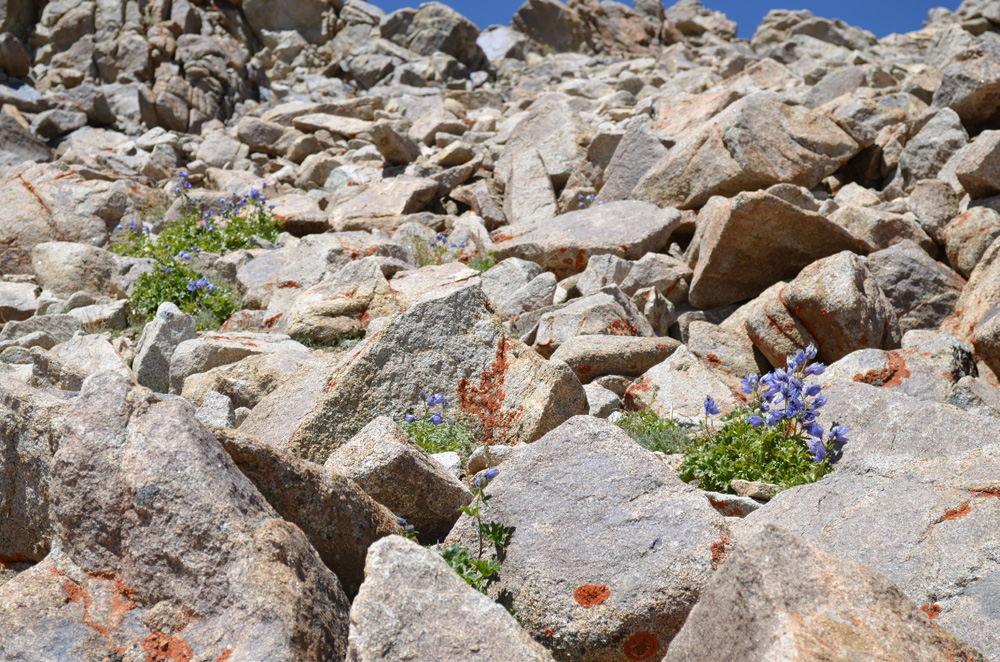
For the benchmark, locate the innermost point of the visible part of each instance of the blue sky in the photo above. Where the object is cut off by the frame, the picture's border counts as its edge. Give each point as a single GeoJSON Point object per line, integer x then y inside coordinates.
{"type": "Point", "coordinates": [879, 16]}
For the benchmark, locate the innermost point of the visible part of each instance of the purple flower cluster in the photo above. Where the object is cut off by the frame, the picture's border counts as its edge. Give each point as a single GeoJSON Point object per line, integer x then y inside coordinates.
{"type": "Point", "coordinates": [183, 184]}
{"type": "Point", "coordinates": [435, 417]}
{"type": "Point", "coordinates": [782, 397]}
{"type": "Point", "coordinates": [201, 283]}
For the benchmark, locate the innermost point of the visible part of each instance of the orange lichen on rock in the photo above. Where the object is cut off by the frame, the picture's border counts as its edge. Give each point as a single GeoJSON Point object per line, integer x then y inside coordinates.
{"type": "Point", "coordinates": [893, 375]}
{"type": "Point", "coordinates": [932, 610]}
{"type": "Point", "coordinates": [162, 648]}
{"type": "Point", "coordinates": [720, 550]}
{"type": "Point", "coordinates": [957, 513]}
{"type": "Point", "coordinates": [622, 328]}
{"type": "Point", "coordinates": [484, 402]}
{"type": "Point", "coordinates": [641, 646]}
{"type": "Point", "coordinates": [591, 595]}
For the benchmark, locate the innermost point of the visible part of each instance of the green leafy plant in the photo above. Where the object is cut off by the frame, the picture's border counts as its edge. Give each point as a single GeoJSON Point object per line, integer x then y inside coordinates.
{"type": "Point", "coordinates": [775, 439]}
{"type": "Point", "coordinates": [473, 568]}
{"type": "Point", "coordinates": [173, 276]}
{"type": "Point", "coordinates": [483, 263]}
{"type": "Point", "coordinates": [433, 430]}
{"type": "Point", "coordinates": [655, 433]}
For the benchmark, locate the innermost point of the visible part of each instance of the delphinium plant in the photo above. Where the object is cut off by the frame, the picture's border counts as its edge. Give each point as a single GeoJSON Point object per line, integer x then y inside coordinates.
{"type": "Point", "coordinates": [431, 427]}
{"type": "Point", "coordinates": [472, 567]}
{"type": "Point", "coordinates": [173, 276]}
{"type": "Point", "coordinates": [776, 438]}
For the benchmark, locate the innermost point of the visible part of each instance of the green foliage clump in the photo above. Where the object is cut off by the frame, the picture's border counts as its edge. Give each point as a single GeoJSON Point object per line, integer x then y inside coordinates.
{"type": "Point", "coordinates": [173, 277]}
{"type": "Point", "coordinates": [777, 438]}
{"type": "Point", "coordinates": [483, 263]}
{"type": "Point", "coordinates": [453, 436]}
{"type": "Point", "coordinates": [654, 433]}
{"type": "Point", "coordinates": [739, 450]}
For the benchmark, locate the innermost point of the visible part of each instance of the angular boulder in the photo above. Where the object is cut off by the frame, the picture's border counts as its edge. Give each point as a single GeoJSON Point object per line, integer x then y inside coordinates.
{"type": "Point", "coordinates": [754, 143]}
{"type": "Point", "coordinates": [839, 301]}
{"type": "Point", "coordinates": [791, 601]}
{"type": "Point", "coordinates": [754, 240]}
{"type": "Point", "coordinates": [565, 244]}
{"type": "Point", "coordinates": [339, 518]}
{"type": "Point", "coordinates": [393, 470]}
{"type": "Point", "coordinates": [413, 606]}
{"type": "Point", "coordinates": [913, 496]}
{"type": "Point", "coordinates": [453, 345]}
{"type": "Point", "coordinates": [632, 551]}
{"type": "Point", "coordinates": [185, 561]}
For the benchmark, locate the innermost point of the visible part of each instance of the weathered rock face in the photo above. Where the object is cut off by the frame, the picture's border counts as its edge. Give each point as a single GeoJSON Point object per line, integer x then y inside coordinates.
{"type": "Point", "coordinates": [796, 603]}
{"type": "Point", "coordinates": [839, 301]}
{"type": "Point", "coordinates": [53, 203]}
{"type": "Point", "coordinates": [400, 475]}
{"type": "Point", "coordinates": [413, 606]}
{"type": "Point", "coordinates": [28, 431]}
{"type": "Point", "coordinates": [978, 296]}
{"type": "Point", "coordinates": [599, 594]}
{"type": "Point", "coordinates": [160, 338]}
{"type": "Point", "coordinates": [339, 518]}
{"type": "Point", "coordinates": [125, 567]}
{"type": "Point", "coordinates": [922, 291]}
{"type": "Point", "coordinates": [678, 387]}
{"type": "Point", "coordinates": [756, 142]}
{"type": "Point", "coordinates": [922, 513]}
{"type": "Point", "coordinates": [754, 240]}
{"type": "Point", "coordinates": [971, 86]}
{"type": "Point", "coordinates": [453, 345]}
{"type": "Point", "coordinates": [565, 244]}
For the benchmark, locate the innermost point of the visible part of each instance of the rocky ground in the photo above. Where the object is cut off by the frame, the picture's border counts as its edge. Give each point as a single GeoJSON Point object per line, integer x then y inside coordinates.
{"type": "Point", "coordinates": [596, 208]}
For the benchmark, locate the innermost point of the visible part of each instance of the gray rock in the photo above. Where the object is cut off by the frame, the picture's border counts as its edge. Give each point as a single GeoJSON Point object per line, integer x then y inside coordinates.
{"type": "Point", "coordinates": [383, 205]}
{"type": "Point", "coordinates": [593, 356]}
{"type": "Point", "coordinates": [601, 271]}
{"type": "Point", "coordinates": [877, 229]}
{"type": "Point", "coordinates": [454, 345]}
{"type": "Point", "coordinates": [679, 386]}
{"type": "Point", "coordinates": [638, 151]}
{"type": "Point", "coordinates": [214, 349]}
{"type": "Point", "coordinates": [794, 602]}
{"type": "Point", "coordinates": [601, 402]}
{"type": "Point", "coordinates": [978, 297]}
{"type": "Point", "coordinates": [554, 128]}
{"type": "Point", "coordinates": [160, 338]}
{"type": "Point", "coordinates": [340, 520]}
{"type": "Point", "coordinates": [920, 512]}
{"type": "Point", "coordinates": [841, 304]}
{"type": "Point", "coordinates": [612, 566]}
{"type": "Point", "coordinates": [216, 410]}
{"type": "Point", "coordinates": [18, 301]}
{"type": "Point", "coordinates": [413, 606]}
{"type": "Point", "coordinates": [927, 152]}
{"type": "Point", "coordinates": [247, 381]}
{"type": "Point", "coordinates": [667, 274]}
{"type": "Point", "coordinates": [142, 548]}
{"type": "Point", "coordinates": [566, 243]}
{"type": "Point", "coordinates": [753, 144]}
{"type": "Point", "coordinates": [754, 240]}
{"type": "Point", "coordinates": [978, 165]}
{"type": "Point", "coordinates": [921, 290]}
{"type": "Point", "coordinates": [18, 143]}
{"type": "Point", "coordinates": [396, 146]}
{"type": "Point", "coordinates": [934, 202]}
{"type": "Point", "coordinates": [400, 475]}
{"type": "Point", "coordinates": [967, 236]}
{"type": "Point", "coordinates": [451, 461]}
{"type": "Point", "coordinates": [608, 312]}
{"type": "Point", "coordinates": [969, 87]}
{"type": "Point", "coordinates": [529, 198]}
{"type": "Point", "coordinates": [64, 268]}
{"type": "Point", "coordinates": [30, 438]}
{"type": "Point", "coordinates": [58, 328]}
